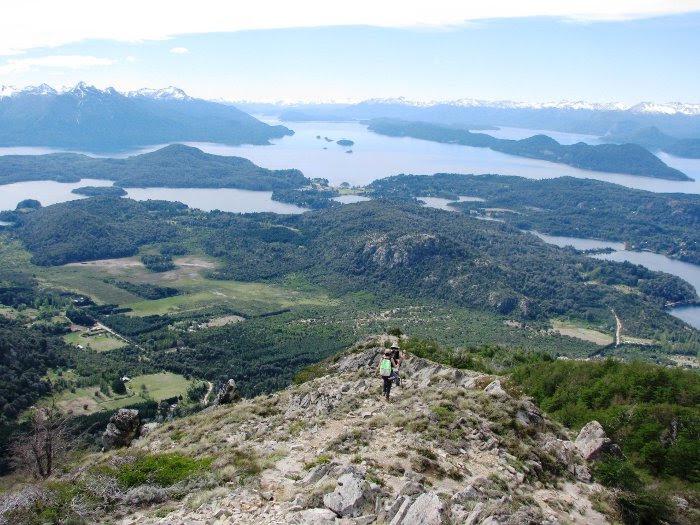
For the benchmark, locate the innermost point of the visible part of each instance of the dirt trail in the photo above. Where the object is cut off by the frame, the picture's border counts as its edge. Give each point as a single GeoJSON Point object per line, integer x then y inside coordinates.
{"type": "Point", "coordinates": [618, 329]}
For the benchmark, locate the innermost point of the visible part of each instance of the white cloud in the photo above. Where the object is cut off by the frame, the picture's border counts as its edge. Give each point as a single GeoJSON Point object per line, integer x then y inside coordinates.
{"type": "Point", "coordinates": [31, 24]}
{"type": "Point", "coordinates": [130, 59]}
{"type": "Point", "coordinates": [179, 50]}
{"type": "Point", "coordinates": [20, 65]}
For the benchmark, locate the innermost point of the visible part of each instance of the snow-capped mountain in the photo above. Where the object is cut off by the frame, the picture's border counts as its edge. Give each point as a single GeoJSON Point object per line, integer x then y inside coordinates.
{"type": "Point", "coordinates": [82, 89]}
{"type": "Point", "coordinates": [670, 108]}
{"type": "Point", "coordinates": [170, 93]}
{"type": "Point", "coordinates": [89, 118]}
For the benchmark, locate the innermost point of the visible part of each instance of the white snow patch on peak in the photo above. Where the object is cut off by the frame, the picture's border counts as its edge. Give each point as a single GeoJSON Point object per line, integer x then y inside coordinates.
{"type": "Point", "coordinates": [8, 91]}
{"type": "Point", "coordinates": [170, 93]}
{"type": "Point", "coordinates": [671, 108]}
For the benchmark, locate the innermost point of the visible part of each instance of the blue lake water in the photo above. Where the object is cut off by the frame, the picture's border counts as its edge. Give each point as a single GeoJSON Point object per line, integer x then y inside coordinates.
{"type": "Point", "coordinates": [46, 192]}
{"type": "Point", "coordinates": [223, 199]}
{"type": "Point", "coordinates": [653, 261]}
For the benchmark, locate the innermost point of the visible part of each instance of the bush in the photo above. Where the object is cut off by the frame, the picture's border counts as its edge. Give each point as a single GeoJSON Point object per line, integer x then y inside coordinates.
{"type": "Point", "coordinates": [616, 472]}
{"type": "Point", "coordinates": [118, 387]}
{"type": "Point", "coordinates": [644, 507]}
{"type": "Point", "coordinates": [160, 469]}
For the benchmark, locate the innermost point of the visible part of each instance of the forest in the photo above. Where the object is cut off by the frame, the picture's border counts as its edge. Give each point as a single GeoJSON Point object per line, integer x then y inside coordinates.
{"type": "Point", "coordinates": [613, 158]}
{"type": "Point", "coordinates": [586, 208]}
{"type": "Point", "coordinates": [398, 250]}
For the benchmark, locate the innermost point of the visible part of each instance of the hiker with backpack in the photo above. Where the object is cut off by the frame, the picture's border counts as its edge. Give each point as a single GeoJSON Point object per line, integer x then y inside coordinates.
{"type": "Point", "coordinates": [386, 370]}
{"type": "Point", "coordinates": [397, 357]}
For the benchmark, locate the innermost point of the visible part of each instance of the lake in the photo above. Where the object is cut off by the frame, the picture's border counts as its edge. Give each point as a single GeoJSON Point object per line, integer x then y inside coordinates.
{"type": "Point", "coordinates": [446, 204]}
{"type": "Point", "coordinates": [375, 156]}
{"type": "Point", "coordinates": [46, 192]}
{"type": "Point", "coordinates": [223, 199]}
{"type": "Point", "coordinates": [653, 261]}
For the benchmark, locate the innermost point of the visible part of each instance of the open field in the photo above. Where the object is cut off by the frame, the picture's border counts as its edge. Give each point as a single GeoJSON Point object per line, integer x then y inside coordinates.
{"type": "Point", "coordinates": [102, 342]}
{"type": "Point", "coordinates": [247, 298]}
{"type": "Point", "coordinates": [89, 399]}
{"type": "Point", "coordinates": [198, 292]}
{"type": "Point", "coordinates": [579, 332]}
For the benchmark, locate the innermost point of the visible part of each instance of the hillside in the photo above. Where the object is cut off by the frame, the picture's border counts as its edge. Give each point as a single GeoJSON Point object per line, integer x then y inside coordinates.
{"type": "Point", "coordinates": [397, 249]}
{"type": "Point", "coordinates": [654, 139]}
{"type": "Point", "coordinates": [452, 447]}
{"type": "Point", "coordinates": [613, 158]}
{"type": "Point", "coordinates": [92, 119]}
{"type": "Point", "coordinates": [174, 166]}
{"type": "Point", "coordinates": [584, 208]}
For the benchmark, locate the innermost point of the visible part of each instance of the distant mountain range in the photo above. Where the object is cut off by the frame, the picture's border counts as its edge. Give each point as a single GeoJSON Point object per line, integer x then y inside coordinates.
{"type": "Point", "coordinates": [677, 120]}
{"type": "Point", "coordinates": [88, 118]}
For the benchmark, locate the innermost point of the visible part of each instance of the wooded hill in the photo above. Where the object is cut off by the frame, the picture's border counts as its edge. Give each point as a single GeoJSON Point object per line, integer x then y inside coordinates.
{"type": "Point", "coordinates": [395, 250]}
{"type": "Point", "coordinates": [612, 158]}
{"type": "Point", "coordinates": [661, 222]}
{"type": "Point", "coordinates": [174, 166]}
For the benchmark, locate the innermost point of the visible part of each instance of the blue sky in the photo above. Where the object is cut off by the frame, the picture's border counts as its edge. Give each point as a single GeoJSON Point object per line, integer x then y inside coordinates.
{"type": "Point", "coordinates": [529, 59]}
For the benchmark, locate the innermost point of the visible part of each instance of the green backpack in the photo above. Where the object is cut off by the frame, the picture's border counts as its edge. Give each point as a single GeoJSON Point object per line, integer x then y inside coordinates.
{"type": "Point", "coordinates": [385, 367]}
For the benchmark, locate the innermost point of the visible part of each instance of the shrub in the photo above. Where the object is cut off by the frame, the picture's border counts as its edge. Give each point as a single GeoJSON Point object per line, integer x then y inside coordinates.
{"type": "Point", "coordinates": [160, 469]}
{"type": "Point", "coordinates": [616, 472]}
{"type": "Point", "coordinates": [643, 507]}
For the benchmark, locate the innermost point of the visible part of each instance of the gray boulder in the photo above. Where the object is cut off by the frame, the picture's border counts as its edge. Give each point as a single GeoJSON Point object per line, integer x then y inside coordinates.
{"type": "Point", "coordinates": [316, 517]}
{"type": "Point", "coordinates": [494, 389]}
{"type": "Point", "coordinates": [122, 429]}
{"type": "Point", "coordinates": [592, 442]}
{"type": "Point", "coordinates": [228, 393]}
{"type": "Point", "coordinates": [351, 497]}
{"type": "Point", "coordinates": [426, 510]}
{"type": "Point", "coordinates": [528, 415]}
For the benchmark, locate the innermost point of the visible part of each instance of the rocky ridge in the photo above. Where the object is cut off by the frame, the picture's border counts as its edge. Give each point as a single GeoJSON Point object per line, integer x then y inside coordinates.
{"type": "Point", "coordinates": [452, 446]}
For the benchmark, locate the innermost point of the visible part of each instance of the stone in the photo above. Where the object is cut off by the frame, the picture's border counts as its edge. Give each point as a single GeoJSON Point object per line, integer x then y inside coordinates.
{"type": "Point", "coordinates": [528, 415]}
{"type": "Point", "coordinates": [364, 520]}
{"type": "Point", "coordinates": [475, 514]}
{"type": "Point", "coordinates": [411, 488]}
{"type": "Point", "coordinates": [316, 474]}
{"type": "Point", "coordinates": [228, 393]}
{"type": "Point", "coordinates": [458, 514]}
{"type": "Point", "coordinates": [428, 509]}
{"type": "Point", "coordinates": [147, 428]}
{"type": "Point", "coordinates": [592, 442]}
{"type": "Point", "coordinates": [494, 389]}
{"type": "Point", "coordinates": [351, 496]}
{"type": "Point", "coordinates": [402, 510]}
{"type": "Point", "coordinates": [122, 429]}
{"type": "Point", "coordinates": [316, 517]}
{"type": "Point", "coordinates": [582, 473]}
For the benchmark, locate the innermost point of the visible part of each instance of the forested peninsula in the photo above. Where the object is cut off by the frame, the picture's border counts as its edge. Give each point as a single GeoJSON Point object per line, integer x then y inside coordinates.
{"type": "Point", "coordinates": [612, 158]}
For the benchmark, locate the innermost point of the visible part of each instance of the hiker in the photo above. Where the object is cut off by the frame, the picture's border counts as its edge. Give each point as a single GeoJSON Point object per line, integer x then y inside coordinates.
{"type": "Point", "coordinates": [397, 356]}
{"type": "Point", "coordinates": [386, 370]}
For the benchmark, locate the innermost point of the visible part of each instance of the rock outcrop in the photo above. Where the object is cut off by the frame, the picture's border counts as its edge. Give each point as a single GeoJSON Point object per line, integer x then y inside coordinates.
{"type": "Point", "coordinates": [352, 496]}
{"type": "Point", "coordinates": [122, 429]}
{"type": "Point", "coordinates": [592, 442]}
{"type": "Point", "coordinates": [228, 393]}
{"type": "Point", "coordinates": [332, 451]}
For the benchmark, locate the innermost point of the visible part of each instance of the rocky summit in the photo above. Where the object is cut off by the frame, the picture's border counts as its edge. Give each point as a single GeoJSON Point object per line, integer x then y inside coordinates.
{"type": "Point", "coordinates": [451, 446]}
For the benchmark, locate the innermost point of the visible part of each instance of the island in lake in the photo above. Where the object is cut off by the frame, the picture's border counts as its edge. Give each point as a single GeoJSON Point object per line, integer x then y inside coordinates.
{"type": "Point", "coordinates": [100, 191]}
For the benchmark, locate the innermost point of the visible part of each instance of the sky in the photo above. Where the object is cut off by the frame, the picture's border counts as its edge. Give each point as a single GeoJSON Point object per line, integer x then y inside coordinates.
{"type": "Point", "coordinates": [534, 51]}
